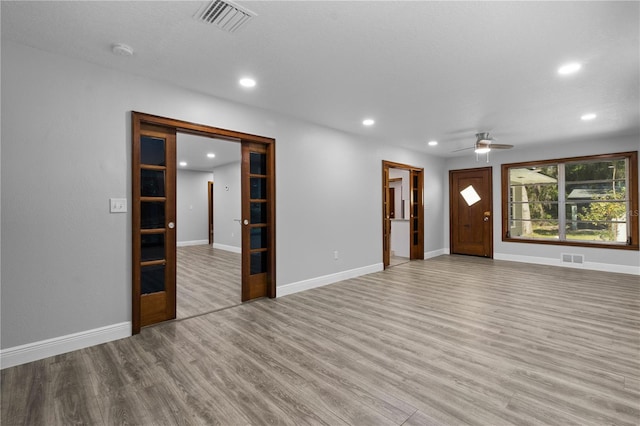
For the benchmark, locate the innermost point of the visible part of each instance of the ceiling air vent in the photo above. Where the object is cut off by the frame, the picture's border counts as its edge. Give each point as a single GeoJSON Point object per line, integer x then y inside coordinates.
{"type": "Point", "coordinates": [225, 15]}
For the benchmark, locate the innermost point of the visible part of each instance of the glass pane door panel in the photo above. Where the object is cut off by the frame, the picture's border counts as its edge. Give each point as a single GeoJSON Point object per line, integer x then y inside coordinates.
{"type": "Point", "coordinates": [258, 262]}
{"type": "Point", "coordinates": [152, 183]}
{"type": "Point", "coordinates": [258, 188]}
{"type": "Point", "coordinates": [152, 214]}
{"type": "Point", "coordinates": [258, 238]}
{"type": "Point", "coordinates": [257, 163]}
{"type": "Point", "coordinates": [152, 247]}
{"type": "Point", "coordinates": [152, 279]}
{"type": "Point", "coordinates": [258, 213]}
{"type": "Point", "coordinates": [152, 151]}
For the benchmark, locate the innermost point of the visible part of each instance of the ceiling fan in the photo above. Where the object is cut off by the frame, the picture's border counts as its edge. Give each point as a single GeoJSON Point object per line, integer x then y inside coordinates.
{"type": "Point", "coordinates": [484, 144]}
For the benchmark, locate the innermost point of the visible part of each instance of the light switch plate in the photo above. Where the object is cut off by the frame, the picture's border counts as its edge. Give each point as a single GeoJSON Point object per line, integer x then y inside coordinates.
{"type": "Point", "coordinates": [118, 205]}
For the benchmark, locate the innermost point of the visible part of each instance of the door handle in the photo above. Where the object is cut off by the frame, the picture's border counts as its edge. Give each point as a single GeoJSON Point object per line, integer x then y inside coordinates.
{"type": "Point", "coordinates": [171, 225]}
{"type": "Point", "coordinates": [246, 222]}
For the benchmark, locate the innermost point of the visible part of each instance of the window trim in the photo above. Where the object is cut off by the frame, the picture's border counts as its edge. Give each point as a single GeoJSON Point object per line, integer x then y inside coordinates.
{"type": "Point", "coordinates": [632, 189]}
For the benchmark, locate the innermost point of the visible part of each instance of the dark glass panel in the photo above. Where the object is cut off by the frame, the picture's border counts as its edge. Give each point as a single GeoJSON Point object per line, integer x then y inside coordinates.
{"type": "Point", "coordinates": [257, 163]}
{"type": "Point", "coordinates": [258, 213]}
{"type": "Point", "coordinates": [152, 247]}
{"type": "Point", "coordinates": [415, 181]}
{"type": "Point", "coordinates": [151, 214]}
{"type": "Point", "coordinates": [152, 151]}
{"type": "Point", "coordinates": [415, 238]}
{"type": "Point", "coordinates": [258, 238]}
{"type": "Point", "coordinates": [415, 224]}
{"type": "Point", "coordinates": [415, 209]}
{"type": "Point", "coordinates": [258, 262]}
{"type": "Point", "coordinates": [258, 188]}
{"type": "Point", "coordinates": [151, 279]}
{"type": "Point", "coordinates": [152, 183]}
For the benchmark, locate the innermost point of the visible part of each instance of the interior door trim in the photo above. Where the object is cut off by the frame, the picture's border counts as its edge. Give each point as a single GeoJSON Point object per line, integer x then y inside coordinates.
{"type": "Point", "coordinates": [137, 118]}
{"type": "Point", "coordinates": [416, 215]}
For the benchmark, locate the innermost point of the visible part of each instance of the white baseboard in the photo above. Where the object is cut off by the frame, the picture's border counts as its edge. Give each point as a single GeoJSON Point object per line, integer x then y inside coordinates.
{"type": "Point", "coordinates": [594, 266]}
{"type": "Point", "coordinates": [435, 253]}
{"type": "Point", "coordinates": [326, 279]}
{"type": "Point", "coordinates": [58, 345]}
{"type": "Point", "coordinates": [192, 243]}
{"type": "Point", "coordinates": [224, 247]}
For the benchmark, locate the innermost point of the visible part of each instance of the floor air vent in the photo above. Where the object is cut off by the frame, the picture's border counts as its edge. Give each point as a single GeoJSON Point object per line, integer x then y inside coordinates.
{"type": "Point", "coordinates": [576, 259]}
{"type": "Point", "coordinates": [226, 15]}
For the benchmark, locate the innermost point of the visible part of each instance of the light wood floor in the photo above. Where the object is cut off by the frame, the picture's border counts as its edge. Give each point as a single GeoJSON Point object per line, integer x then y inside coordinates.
{"type": "Point", "coordinates": [398, 260]}
{"type": "Point", "coordinates": [207, 280]}
{"type": "Point", "coordinates": [448, 341]}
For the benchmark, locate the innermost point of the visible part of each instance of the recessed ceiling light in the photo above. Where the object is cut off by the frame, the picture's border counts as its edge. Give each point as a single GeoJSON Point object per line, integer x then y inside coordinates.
{"type": "Point", "coordinates": [587, 117]}
{"type": "Point", "coordinates": [183, 163]}
{"type": "Point", "coordinates": [368, 122]}
{"type": "Point", "coordinates": [433, 143]}
{"type": "Point", "coordinates": [211, 155]}
{"type": "Point", "coordinates": [569, 68]}
{"type": "Point", "coordinates": [247, 82]}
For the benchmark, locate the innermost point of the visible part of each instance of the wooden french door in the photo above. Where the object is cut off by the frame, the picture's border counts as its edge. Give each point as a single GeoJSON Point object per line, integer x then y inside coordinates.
{"type": "Point", "coordinates": [470, 206]}
{"type": "Point", "coordinates": [416, 211]}
{"type": "Point", "coordinates": [154, 215]}
{"type": "Point", "coordinates": [416, 216]}
{"type": "Point", "coordinates": [257, 221]}
{"type": "Point", "coordinates": [210, 208]}
{"type": "Point", "coordinates": [154, 223]}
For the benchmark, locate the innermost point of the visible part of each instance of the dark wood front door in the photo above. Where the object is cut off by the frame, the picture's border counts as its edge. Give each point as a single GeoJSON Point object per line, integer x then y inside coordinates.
{"type": "Point", "coordinates": [470, 211]}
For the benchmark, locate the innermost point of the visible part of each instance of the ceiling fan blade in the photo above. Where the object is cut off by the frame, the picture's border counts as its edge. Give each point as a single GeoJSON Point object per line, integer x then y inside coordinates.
{"type": "Point", "coordinates": [463, 149]}
{"type": "Point", "coordinates": [500, 146]}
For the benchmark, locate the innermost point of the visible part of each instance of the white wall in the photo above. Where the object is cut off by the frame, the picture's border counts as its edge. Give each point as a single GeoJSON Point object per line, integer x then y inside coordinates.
{"type": "Point", "coordinates": [624, 261]}
{"type": "Point", "coordinates": [227, 207]}
{"type": "Point", "coordinates": [66, 261]}
{"type": "Point", "coordinates": [400, 241]}
{"type": "Point", "coordinates": [192, 211]}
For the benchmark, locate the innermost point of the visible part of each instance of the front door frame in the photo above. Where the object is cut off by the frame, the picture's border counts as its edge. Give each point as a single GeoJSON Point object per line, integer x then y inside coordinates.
{"type": "Point", "coordinates": [137, 118]}
{"type": "Point", "coordinates": [484, 216]}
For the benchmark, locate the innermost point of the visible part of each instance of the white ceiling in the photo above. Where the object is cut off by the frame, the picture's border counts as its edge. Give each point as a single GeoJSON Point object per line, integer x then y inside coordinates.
{"type": "Point", "coordinates": [193, 150]}
{"type": "Point", "coordinates": [423, 70]}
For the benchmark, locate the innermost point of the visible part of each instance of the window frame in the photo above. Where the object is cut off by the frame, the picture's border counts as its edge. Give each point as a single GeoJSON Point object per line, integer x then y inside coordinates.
{"type": "Point", "coordinates": [632, 189]}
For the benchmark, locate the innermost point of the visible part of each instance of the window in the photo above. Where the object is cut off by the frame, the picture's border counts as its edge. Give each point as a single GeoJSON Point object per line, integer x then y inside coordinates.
{"type": "Point", "coordinates": [583, 201]}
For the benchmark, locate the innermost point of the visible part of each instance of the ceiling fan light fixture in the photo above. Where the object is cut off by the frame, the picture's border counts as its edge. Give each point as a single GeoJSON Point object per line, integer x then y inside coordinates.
{"type": "Point", "coordinates": [569, 68]}
{"type": "Point", "coordinates": [482, 149]}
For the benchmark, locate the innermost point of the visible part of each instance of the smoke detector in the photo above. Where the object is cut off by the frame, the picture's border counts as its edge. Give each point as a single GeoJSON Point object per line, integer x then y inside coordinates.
{"type": "Point", "coordinates": [226, 15]}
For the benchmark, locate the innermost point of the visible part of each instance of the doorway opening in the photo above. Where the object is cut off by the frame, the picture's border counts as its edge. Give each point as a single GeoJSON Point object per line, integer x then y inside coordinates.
{"type": "Point", "coordinates": [154, 214]}
{"type": "Point", "coordinates": [403, 213]}
{"type": "Point", "coordinates": [209, 251]}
